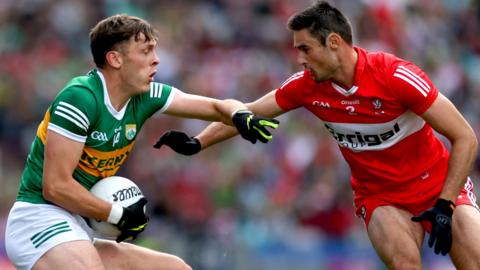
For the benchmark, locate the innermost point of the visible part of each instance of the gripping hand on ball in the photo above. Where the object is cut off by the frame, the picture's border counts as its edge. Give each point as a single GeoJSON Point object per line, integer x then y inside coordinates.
{"type": "Point", "coordinates": [133, 221]}
{"type": "Point", "coordinates": [252, 127]}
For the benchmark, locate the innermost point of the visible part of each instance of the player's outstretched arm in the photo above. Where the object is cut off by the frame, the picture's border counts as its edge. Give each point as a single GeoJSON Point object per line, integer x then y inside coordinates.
{"type": "Point", "coordinates": [217, 132]}
{"type": "Point", "coordinates": [229, 111]}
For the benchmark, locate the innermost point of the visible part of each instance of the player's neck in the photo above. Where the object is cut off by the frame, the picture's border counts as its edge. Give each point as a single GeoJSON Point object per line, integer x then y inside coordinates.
{"type": "Point", "coordinates": [118, 97]}
{"type": "Point", "coordinates": [345, 76]}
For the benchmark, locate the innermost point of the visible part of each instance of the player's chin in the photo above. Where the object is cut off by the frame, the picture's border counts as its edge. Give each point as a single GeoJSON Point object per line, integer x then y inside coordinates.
{"type": "Point", "coordinates": [318, 77]}
{"type": "Point", "coordinates": [146, 87]}
{"type": "Point", "coordinates": [143, 89]}
{"type": "Point", "coordinates": [315, 78]}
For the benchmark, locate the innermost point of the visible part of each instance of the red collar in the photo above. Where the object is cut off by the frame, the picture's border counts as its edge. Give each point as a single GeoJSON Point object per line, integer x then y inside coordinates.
{"type": "Point", "coordinates": [361, 63]}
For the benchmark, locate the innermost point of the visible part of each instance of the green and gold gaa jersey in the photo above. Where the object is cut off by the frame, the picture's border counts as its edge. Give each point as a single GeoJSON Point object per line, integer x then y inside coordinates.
{"type": "Point", "coordinates": [82, 111]}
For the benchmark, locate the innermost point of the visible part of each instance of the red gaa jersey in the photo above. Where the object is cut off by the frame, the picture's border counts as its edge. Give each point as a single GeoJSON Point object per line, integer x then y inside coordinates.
{"type": "Point", "coordinates": [376, 122]}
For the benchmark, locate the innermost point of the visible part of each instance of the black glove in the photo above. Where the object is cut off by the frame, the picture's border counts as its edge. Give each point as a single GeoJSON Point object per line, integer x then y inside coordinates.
{"type": "Point", "coordinates": [252, 128]}
{"type": "Point", "coordinates": [179, 142]}
{"type": "Point", "coordinates": [440, 216]}
{"type": "Point", "coordinates": [133, 221]}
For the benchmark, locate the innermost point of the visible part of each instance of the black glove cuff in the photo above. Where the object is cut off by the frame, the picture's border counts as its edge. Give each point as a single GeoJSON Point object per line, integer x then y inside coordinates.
{"type": "Point", "coordinates": [198, 145]}
{"type": "Point", "coordinates": [446, 206]}
{"type": "Point", "coordinates": [197, 142]}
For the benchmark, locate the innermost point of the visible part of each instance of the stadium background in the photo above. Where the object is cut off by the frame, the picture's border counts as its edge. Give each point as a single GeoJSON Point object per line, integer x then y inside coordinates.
{"type": "Point", "coordinates": [284, 205]}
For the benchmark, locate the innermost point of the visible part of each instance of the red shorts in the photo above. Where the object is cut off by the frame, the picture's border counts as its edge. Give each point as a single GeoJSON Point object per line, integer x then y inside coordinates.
{"type": "Point", "coordinates": [414, 203]}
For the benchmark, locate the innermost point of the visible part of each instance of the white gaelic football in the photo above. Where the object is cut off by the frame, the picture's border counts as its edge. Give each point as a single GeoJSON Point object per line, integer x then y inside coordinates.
{"type": "Point", "coordinates": [118, 190]}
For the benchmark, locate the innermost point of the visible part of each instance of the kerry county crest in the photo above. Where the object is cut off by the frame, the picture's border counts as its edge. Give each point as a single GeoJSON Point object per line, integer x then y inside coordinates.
{"type": "Point", "coordinates": [130, 131]}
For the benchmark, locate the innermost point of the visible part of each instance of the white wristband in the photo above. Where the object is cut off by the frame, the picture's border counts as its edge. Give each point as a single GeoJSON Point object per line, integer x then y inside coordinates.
{"type": "Point", "coordinates": [115, 214]}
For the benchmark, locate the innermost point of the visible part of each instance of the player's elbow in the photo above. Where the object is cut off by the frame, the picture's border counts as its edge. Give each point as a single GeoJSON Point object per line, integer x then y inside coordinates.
{"type": "Point", "coordinates": [50, 190]}
{"type": "Point", "coordinates": [472, 141]}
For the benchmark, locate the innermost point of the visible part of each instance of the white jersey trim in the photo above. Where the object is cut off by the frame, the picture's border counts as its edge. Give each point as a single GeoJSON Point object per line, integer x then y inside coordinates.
{"type": "Point", "coordinates": [413, 79]}
{"type": "Point", "coordinates": [471, 196]}
{"type": "Point", "coordinates": [64, 111]}
{"type": "Point", "coordinates": [106, 99]}
{"type": "Point", "coordinates": [83, 118]}
{"type": "Point", "coordinates": [361, 137]}
{"type": "Point", "coordinates": [294, 77]}
{"type": "Point", "coordinates": [66, 133]}
{"type": "Point", "coordinates": [70, 119]}
{"type": "Point", "coordinates": [173, 93]}
{"type": "Point", "coordinates": [343, 91]}
{"type": "Point", "coordinates": [156, 90]}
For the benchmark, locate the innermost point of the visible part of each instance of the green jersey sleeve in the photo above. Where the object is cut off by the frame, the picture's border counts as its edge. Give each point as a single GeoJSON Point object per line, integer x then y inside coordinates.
{"type": "Point", "coordinates": [72, 113]}
{"type": "Point", "coordinates": [156, 100]}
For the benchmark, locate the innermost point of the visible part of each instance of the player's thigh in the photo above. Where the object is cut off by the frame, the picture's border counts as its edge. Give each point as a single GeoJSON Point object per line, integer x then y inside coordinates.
{"type": "Point", "coordinates": [465, 251]}
{"type": "Point", "coordinates": [128, 256]}
{"type": "Point", "coordinates": [71, 255]}
{"type": "Point", "coordinates": [35, 229]}
{"type": "Point", "coordinates": [396, 238]}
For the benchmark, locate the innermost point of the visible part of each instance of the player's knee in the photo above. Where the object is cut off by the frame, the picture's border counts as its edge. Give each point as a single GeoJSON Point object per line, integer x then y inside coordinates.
{"type": "Point", "coordinates": [119, 255]}
{"type": "Point", "coordinates": [405, 261]}
{"type": "Point", "coordinates": [464, 217]}
{"type": "Point", "coordinates": [179, 264]}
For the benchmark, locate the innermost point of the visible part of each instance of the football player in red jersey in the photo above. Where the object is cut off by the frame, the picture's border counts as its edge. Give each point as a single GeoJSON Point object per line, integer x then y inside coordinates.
{"type": "Point", "coordinates": [382, 111]}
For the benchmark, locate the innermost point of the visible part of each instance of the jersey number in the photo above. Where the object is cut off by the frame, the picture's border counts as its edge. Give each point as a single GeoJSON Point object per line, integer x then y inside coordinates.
{"type": "Point", "coordinates": [116, 137]}
{"type": "Point", "coordinates": [350, 109]}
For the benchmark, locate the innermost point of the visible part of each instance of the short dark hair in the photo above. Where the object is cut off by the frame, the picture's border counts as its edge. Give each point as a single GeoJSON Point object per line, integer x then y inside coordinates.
{"type": "Point", "coordinates": [112, 31]}
{"type": "Point", "coordinates": [321, 19]}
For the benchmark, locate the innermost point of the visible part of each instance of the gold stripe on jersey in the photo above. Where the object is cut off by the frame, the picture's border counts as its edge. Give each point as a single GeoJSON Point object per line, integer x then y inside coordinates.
{"type": "Point", "coordinates": [103, 164]}
{"type": "Point", "coordinates": [42, 128]}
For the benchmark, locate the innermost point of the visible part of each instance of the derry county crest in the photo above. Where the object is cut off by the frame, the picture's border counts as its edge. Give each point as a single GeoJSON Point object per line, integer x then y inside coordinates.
{"type": "Point", "coordinates": [130, 131]}
{"type": "Point", "coordinates": [377, 104]}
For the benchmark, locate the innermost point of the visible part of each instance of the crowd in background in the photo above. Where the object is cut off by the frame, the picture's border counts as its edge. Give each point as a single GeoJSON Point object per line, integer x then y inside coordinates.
{"type": "Point", "coordinates": [282, 205]}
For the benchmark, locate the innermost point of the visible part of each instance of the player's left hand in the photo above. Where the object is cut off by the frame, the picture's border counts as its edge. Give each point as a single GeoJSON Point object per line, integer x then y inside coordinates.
{"type": "Point", "coordinates": [252, 127]}
{"type": "Point", "coordinates": [133, 221]}
{"type": "Point", "coordinates": [180, 142]}
{"type": "Point", "coordinates": [440, 216]}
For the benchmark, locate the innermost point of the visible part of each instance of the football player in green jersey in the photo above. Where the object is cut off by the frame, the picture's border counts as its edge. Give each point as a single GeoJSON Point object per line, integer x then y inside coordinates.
{"type": "Point", "coordinates": [86, 135]}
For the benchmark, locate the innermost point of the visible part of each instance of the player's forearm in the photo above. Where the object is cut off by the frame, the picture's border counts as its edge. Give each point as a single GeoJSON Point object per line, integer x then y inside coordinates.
{"type": "Point", "coordinates": [72, 196]}
{"type": "Point", "coordinates": [462, 158]}
{"type": "Point", "coordinates": [226, 108]}
{"type": "Point", "coordinates": [215, 133]}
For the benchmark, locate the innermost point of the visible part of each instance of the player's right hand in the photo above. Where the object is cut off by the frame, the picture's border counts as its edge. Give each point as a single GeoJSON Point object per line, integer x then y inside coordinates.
{"type": "Point", "coordinates": [440, 216]}
{"type": "Point", "coordinates": [133, 221]}
{"type": "Point", "coordinates": [179, 142]}
{"type": "Point", "coordinates": [252, 127]}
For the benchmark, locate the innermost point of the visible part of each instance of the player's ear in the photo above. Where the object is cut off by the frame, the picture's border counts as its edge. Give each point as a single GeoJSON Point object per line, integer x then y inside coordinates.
{"type": "Point", "coordinates": [114, 59]}
{"type": "Point", "coordinates": [333, 41]}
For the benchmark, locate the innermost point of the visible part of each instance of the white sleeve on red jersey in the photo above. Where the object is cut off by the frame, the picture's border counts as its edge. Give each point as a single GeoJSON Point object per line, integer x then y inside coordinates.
{"type": "Point", "coordinates": [286, 95]}
{"type": "Point", "coordinates": [412, 87]}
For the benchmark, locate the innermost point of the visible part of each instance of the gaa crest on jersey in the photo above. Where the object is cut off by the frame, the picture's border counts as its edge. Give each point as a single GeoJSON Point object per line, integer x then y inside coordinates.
{"type": "Point", "coordinates": [99, 136]}
{"type": "Point", "coordinates": [130, 131]}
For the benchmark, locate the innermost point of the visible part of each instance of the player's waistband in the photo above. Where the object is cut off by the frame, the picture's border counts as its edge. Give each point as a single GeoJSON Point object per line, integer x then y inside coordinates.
{"type": "Point", "coordinates": [427, 182]}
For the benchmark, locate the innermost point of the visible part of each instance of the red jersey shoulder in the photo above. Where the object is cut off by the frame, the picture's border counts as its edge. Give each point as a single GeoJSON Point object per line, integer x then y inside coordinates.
{"type": "Point", "coordinates": [405, 80]}
{"type": "Point", "coordinates": [381, 61]}
{"type": "Point", "coordinates": [294, 80]}
{"type": "Point", "coordinates": [287, 95]}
